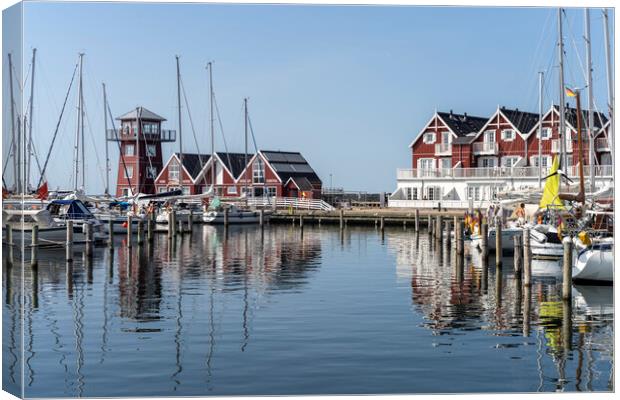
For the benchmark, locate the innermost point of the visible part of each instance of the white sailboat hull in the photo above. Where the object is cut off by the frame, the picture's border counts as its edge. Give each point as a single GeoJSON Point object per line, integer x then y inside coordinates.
{"type": "Point", "coordinates": [595, 264]}
{"type": "Point", "coordinates": [507, 238]}
{"type": "Point", "coordinates": [234, 217]}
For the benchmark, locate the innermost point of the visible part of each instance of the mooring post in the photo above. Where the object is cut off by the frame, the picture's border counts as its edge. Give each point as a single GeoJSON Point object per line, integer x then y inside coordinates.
{"type": "Point", "coordinates": [341, 218]}
{"type": "Point", "coordinates": [140, 232]}
{"type": "Point", "coordinates": [567, 324]}
{"type": "Point", "coordinates": [301, 221]}
{"type": "Point", "coordinates": [69, 244]}
{"type": "Point", "coordinates": [518, 255]}
{"type": "Point", "coordinates": [170, 225]}
{"type": "Point", "coordinates": [448, 228]}
{"type": "Point", "coordinates": [461, 240]}
{"type": "Point", "coordinates": [456, 228]}
{"type": "Point", "coordinates": [527, 304]}
{"type": "Point", "coordinates": [417, 220]}
{"type": "Point", "coordinates": [34, 250]}
{"type": "Point", "coordinates": [129, 230]}
{"type": "Point", "coordinates": [430, 224]}
{"type": "Point", "coordinates": [88, 232]}
{"type": "Point", "coordinates": [226, 217]}
{"type": "Point", "coordinates": [190, 221]}
{"type": "Point", "coordinates": [567, 268]}
{"type": "Point", "coordinates": [174, 224]}
{"type": "Point", "coordinates": [527, 258]}
{"type": "Point", "coordinates": [484, 239]}
{"type": "Point", "coordinates": [382, 223]}
{"type": "Point", "coordinates": [439, 228]}
{"type": "Point", "coordinates": [9, 242]}
{"type": "Point", "coordinates": [110, 232]}
{"type": "Point", "coordinates": [498, 244]}
{"type": "Point", "coordinates": [149, 228]}
{"type": "Point", "coordinates": [261, 217]}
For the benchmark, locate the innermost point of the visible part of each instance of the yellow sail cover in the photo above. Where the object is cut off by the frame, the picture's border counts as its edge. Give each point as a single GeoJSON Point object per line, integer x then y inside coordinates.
{"type": "Point", "coordinates": [551, 191]}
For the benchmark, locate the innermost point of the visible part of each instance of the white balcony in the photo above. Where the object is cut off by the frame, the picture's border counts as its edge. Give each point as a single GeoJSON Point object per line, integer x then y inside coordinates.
{"type": "Point", "coordinates": [443, 149]}
{"type": "Point", "coordinates": [493, 172]}
{"type": "Point", "coordinates": [486, 148]}
{"type": "Point", "coordinates": [557, 143]}
{"type": "Point", "coordinates": [602, 144]}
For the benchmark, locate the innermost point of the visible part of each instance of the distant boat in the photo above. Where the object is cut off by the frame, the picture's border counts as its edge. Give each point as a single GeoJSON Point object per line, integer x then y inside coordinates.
{"type": "Point", "coordinates": [235, 216]}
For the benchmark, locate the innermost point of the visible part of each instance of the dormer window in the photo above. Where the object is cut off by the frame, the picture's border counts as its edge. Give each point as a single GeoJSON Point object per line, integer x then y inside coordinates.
{"type": "Point", "coordinates": [509, 135]}
{"type": "Point", "coordinates": [546, 133]}
{"type": "Point", "coordinates": [429, 137]}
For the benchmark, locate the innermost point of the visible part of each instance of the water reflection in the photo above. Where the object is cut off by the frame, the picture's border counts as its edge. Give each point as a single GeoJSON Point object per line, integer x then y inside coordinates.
{"type": "Point", "coordinates": [212, 312]}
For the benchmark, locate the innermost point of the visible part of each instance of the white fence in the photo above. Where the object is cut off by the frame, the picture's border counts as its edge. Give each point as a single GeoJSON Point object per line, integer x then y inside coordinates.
{"type": "Point", "coordinates": [493, 172]}
{"type": "Point", "coordinates": [288, 202]}
{"type": "Point", "coordinates": [451, 204]}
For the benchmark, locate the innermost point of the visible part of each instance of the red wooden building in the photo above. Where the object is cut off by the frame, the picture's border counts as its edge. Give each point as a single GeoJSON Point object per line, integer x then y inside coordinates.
{"type": "Point", "coordinates": [140, 136]}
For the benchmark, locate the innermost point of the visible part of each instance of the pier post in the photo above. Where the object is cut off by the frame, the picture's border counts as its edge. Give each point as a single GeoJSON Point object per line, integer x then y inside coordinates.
{"type": "Point", "coordinates": [88, 232]}
{"type": "Point", "coordinates": [149, 228]}
{"type": "Point", "coordinates": [170, 225]}
{"type": "Point", "coordinates": [341, 218]}
{"type": "Point", "coordinates": [567, 324]}
{"type": "Point", "coordinates": [174, 224]}
{"type": "Point", "coordinates": [261, 217]}
{"type": "Point", "coordinates": [567, 268]}
{"type": "Point", "coordinates": [69, 244]}
{"type": "Point", "coordinates": [140, 232]}
{"type": "Point", "coordinates": [9, 242]}
{"type": "Point", "coordinates": [430, 224]}
{"type": "Point", "coordinates": [498, 244]}
{"type": "Point", "coordinates": [34, 250]}
{"type": "Point", "coordinates": [190, 221]}
{"type": "Point", "coordinates": [439, 228]}
{"type": "Point", "coordinates": [301, 221]}
{"type": "Point", "coordinates": [110, 232]}
{"type": "Point", "coordinates": [417, 219]}
{"type": "Point", "coordinates": [518, 255]}
{"type": "Point", "coordinates": [527, 258]}
{"type": "Point", "coordinates": [456, 228]}
{"type": "Point", "coordinates": [460, 245]}
{"type": "Point", "coordinates": [484, 240]}
{"type": "Point", "coordinates": [382, 223]}
{"type": "Point", "coordinates": [448, 228]}
{"type": "Point", "coordinates": [129, 230]}
{"type": "Point", "coordinates": [226, 217]}
{"type": "Point", "coordinates": [527, 305]}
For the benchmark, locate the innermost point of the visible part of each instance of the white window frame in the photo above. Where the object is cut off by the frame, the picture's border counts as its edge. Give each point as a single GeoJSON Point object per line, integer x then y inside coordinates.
{"type": "Point", "coordinates": [489, 136]}
{"type": "Point", "coordinates": [150, 153]}
{"type": "Point", "coordinates": [133, 150]}
{"type": "Point", "coordinates": [161, 189]}
{"type": "Point", "coordinates": [546, 134]}
{"type": "Point", "coordinates": [271, 191]}
{"type": "Point", "coordinates": [444, 160]}
{"type": "Point", "coordinates": [514, 159]}
{"type": "Point", "coordinates": [129, 172]}
{"type": "Point", "coordinates": [174, 171]}
{"type": "Point", "coordinates": [429, 137]}
{"type": "Point", "coordinates": [258, 171]}
{"type": "Point", "coordinates": [474, 192]}
{"type": "Point", "coordinates": [446, 137]}
{"type": "Point", "coordinates": [185, 190]}
{"type": "Point", "coordinates": [513, 135]}
{"type": "Point", "coordinates": [231, 190]}
{"type": "Point", "coordinates": [482, 159]}
{"type": "Point", "coordinates": [423, 161]}
{"type": "Point", "coordinates": [151, 172]}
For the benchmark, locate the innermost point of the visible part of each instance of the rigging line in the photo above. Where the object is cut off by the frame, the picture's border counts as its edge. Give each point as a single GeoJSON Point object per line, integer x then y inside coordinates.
{"type": "Point", "coordinates": [120, 149]}
{"type": "Point", "coordinates": [252, 132]}
{"type": "Point", "coordinates": [570, 31]}
{"type": "Point", "coordinates": [92, 139]}
{"type": "Point", "coordinates": [49, 152]}
{"type": "Point", "coordinates": [191, 123]}
{"type": "Point", "coordinates": [219, 120]}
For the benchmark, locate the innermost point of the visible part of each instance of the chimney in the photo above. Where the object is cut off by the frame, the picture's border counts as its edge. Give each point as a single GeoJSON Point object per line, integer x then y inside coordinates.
{"type": "Point", "coordinates": [517, 109]}
{"type": "Point", "coordinates": [465, 115]}
{"type": "Point", "coordinates": [503, 108]}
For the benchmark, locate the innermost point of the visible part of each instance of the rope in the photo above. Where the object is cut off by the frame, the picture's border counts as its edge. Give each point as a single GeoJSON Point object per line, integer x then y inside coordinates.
{"type": "Point", "coordinates": [49, 152]}
{"type": "Point", "coordinates": [219, 120]}
{"type": "Point", "coordinates": [191, 124]}
{"type": "Point", "coordinates": [120, 149]}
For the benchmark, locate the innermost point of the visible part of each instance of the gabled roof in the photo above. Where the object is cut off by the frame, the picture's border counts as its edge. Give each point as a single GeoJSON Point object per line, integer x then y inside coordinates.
{"type": "Point", "coordinates": [141, 113]}
{"type": "Point", "coordinates": [301, 183]}
{"type": "Point", "coordinates": [192, 163]}
{"type": "Point", "coordinates": [287, 164]}
{"type": "Point", "coordinates": [462, 124]}
{"type": "Point", "coordinates": [522, 121]}
{"type": "Point", "coordinates": [234, 162]}
{"type": "Point", "coordinates": [600, 120]}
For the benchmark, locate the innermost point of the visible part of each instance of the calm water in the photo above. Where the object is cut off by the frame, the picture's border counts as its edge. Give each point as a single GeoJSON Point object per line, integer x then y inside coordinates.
{"type": "Point", "coordinates": [281, 313]}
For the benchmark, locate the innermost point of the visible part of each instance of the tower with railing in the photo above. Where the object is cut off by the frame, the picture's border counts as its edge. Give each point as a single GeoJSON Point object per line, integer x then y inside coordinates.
{"type": "Point", "coordinates": [140, 139]}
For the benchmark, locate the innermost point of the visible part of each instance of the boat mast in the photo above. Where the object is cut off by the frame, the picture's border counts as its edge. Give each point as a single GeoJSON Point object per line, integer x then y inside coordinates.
{"type": "Point", "coordinates": [562, 126]}
{"type": "Point", "coordinates": [82, 128]}
{"type": "Point", "coordinates": [610, 85]}
{"type": "Point", "coordinates": [580, 197]}
{"type": "Point", "coordinates": [180, 134]}
{"type": "Point", "coordinates": [590, 100]}
{"type": "Point", "coordinates": [105, 132]}
{"type": "Point", "coordinates": [540, 119]}
{"type": "Point", "coordinates": [76, 147]}
{"type": "Point", "coordinates": [30, 118]}
{"type": "Point", "coordinates": [14, 137]}
{"type": "Point", "coordinates": [210, 66]}
{"type": "Point", "coordinates": [245, 156]}
{"type": "Point", "coordinates": [138, 129]}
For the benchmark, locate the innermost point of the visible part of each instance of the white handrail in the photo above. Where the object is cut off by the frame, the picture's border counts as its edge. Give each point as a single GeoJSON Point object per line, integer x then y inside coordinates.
{"type": "Point", "coordinates": [294, 202]}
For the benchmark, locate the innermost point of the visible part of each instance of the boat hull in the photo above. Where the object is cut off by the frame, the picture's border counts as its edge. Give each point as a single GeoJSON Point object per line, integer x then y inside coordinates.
{"type": "Point", "coordinates": [594, 264]}
{"type": "Point", "coordinates": [507, 238]}
{"type": "Point", "coordinates": [239, 217]}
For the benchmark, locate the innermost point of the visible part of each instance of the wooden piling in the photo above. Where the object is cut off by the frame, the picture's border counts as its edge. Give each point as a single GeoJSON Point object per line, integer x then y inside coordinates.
{"type": "Point", "coordinates": [261, 218]}
{"type": "Point", "coordinates": [527, 258]}
{"type": "Point", "coordinates": [484, 240]}
{"type": "Point", "coordinates": [170, 225]}
{"type": "Point", "coordinates": [9, 241]}
{"type": "Point", "coordinates": [226, 217]}
{"type": "Point", "coordinates": [439, 228]}
{"type": "Point", "coordinates": [498, 244]}
{"type": "Point", "coordinates": [527, 305]}
{"type": "Point", "coordinates": [518, 255]}
{"type": "Point", "coordinates": [140, 232]}
{"type": "Point", "coordinates": [301, 221]}
{"type": "Point", "coordinates": [110, 233]}
{"type": "Point", "coordinates": [448, 229]}
{"type": "Point", "coordinates": [417, 220]}
{"type": "Point", "coordinates": [34, 249]}
{"type": "Point", "coordinates": [382, 223]}
{"type": "Point", "coordinates": [341, 218]}
{"type": "Point", "coordinates": [129, 230]}
{"type": "Point", "coordinates": [88, 232]}
{"type": "Point", "coordinates": [567, 268]}
{"type": "Point", "coordinates": [69, 244]}
{"type": "Point", "coordinates": [190, 221]}
{"type": "Point", "coordinates": [149, 228]}
{"type": "Point", "coordinates": [175, 230]}
{"type": "Point", "coordinates": [430, 224]}
{"type": "Point", "coordinates": [461, 239]}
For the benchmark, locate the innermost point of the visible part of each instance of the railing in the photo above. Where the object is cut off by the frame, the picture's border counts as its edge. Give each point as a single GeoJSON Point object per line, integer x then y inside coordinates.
{"type": "Point", "coordinates": [287, 202]}
{"type": "Point", "coordinates": [493, 172]}
{"type": "Point", "coordinates": [443, 149]}
{"type": "Point", "coordinates": [448, 204]}
{"type": "Point", "coordinates": [602, 144]}
{"type": "Point", "coordinates": [485, 148]}
{"type": "Point", "coordinates": [557, 143]}
{"type": "Point", "coordinates": [164, 135]}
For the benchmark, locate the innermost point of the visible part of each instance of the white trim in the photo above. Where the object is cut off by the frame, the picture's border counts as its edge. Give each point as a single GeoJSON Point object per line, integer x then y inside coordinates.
{"type": "Point", "coordinates": [499, 112]}
{"type": "Point", "coordinates": [294, 183]}
{"type": "Point", "coordinates": [251, 160]}
{"type": "Point", "coordinates": [165, 167]}
{"type": "Point", "coordinates": [428, 125]}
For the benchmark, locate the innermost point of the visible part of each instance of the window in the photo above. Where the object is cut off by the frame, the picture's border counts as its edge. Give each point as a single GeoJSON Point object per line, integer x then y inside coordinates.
{"type": "Point", "coordinates": [510, 161]}
{"type": "Point", "coordinates": [129, 172]}
{"type": "Point", "coordinates": [429, 137]}
{"type": "Point", "coordinates": [161, 189]}
{"type": "Point", "coordinates": [130, 149]}
{"type": "Point", "coordinates": [426, 163]}
{"type": "Point", "coordinates": [232, 190]}
{"type": "Point", "coordinates": [151, 150]}
{"type": "Point", "coordinates": [508, 135]}
{"type": "Point", "coordinates": [151, 172]}
{"type": "Point", "coordinates": [546, 133]}
{"type": "Point", "coordinates": [606, 159]}
{"type": "Point", "coordinates": [446, 137]}
{"type": "Point", "coordinates": [185, 190]}
{"type": "Point", "coordinates": [546, 161]}
{"type": "Point", "coordinates": [258, 171]}
{"type": "Point", "coordinates": [408, 193]}
{"type": "Point", "coordinates": [414, 194]}
{"type": "Point", "coordinates": [271, 191]}
{"type": "Point", "coordinates": [433, 193]}
{"type": "Point", "coordinates": [474, 193]}
{"type": "Point", "coordinates": [146, 128]}
{"type": "Point", "coordinates": [489, 136]}
{"type": "Point", "coordinates": [173, 170]}
{"type": "Point", "coordinates": [446, 163]}
{"type": "Point", "coordinates": [487, 162]}
{"type": "Point", "coordinates": [125, 192]}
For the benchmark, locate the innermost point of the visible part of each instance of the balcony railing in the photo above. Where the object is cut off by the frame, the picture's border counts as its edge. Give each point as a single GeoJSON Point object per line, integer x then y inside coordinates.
{"type": "Point", "coordinates": [486, 148]}
{"type": "Point", "coordinates": [443, 149]}
{"type": "Point", "coordinates": [602, 144]}
{"type": "Point", "coordinates": [493, 172]}
{"type": "Point", "coordinates": [164, 135]}
{"type": "Point", "coordinates": [557, 143]}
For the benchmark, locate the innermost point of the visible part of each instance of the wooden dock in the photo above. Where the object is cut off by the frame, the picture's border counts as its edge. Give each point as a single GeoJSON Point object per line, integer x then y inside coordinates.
{"type": "Point", "coordinates": [364, 216]}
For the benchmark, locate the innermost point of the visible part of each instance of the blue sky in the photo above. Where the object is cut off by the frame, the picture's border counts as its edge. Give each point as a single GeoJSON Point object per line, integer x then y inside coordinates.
{"type": "Point", "coordinates": [349, 87]}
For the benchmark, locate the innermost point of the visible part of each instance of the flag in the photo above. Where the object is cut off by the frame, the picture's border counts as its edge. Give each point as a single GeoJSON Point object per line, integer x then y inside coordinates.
{"type": "Point", "coordinates": [570, 92]}
{"type": "Point", "coordinates": [42, 192]}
